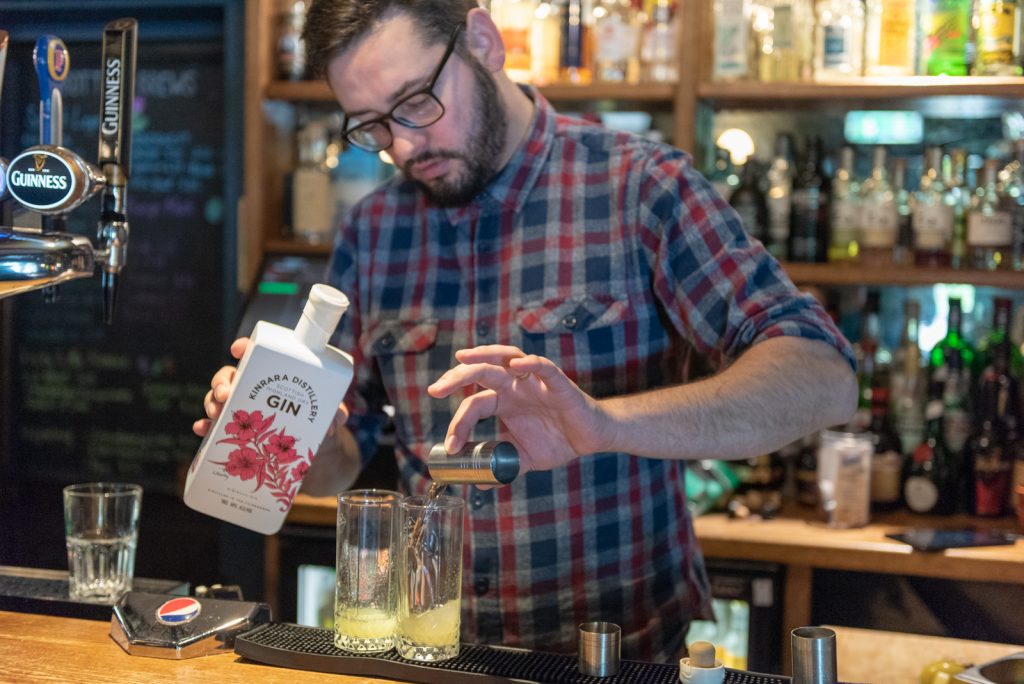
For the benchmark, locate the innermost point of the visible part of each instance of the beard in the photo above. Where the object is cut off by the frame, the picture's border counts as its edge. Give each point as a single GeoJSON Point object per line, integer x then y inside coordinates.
{"type": "Point", "coordinates": [479, 156]}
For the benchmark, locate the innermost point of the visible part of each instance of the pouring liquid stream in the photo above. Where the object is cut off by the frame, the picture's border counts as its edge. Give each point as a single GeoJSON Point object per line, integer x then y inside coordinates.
{"type": "Point", "coordinates": [425, 558]}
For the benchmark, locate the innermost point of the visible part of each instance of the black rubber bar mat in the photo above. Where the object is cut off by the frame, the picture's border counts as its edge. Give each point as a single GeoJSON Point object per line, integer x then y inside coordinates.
{"type": "Point", "coordinates": [310, 648]}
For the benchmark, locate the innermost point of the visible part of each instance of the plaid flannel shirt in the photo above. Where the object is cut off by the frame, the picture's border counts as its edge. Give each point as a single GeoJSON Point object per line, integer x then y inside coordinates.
{"type": "Point", "coordinates": [610, 255]}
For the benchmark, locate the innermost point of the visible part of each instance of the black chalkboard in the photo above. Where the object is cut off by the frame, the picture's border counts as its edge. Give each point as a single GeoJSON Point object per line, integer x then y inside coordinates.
{"type": "Point", "coordinates": [85, 401]}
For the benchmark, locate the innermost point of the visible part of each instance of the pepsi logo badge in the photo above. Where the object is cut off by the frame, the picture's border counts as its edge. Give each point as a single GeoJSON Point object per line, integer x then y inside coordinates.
{"type": "Point", "coordinates": [178, 611]}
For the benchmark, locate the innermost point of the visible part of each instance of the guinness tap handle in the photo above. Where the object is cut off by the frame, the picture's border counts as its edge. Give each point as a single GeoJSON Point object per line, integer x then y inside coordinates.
{"type": "Point", "coordinates": [117, 91]}
{"type": "Point", "coordinates": [120, 38]}
{"type": "Point", "coordinates": [51, 59]}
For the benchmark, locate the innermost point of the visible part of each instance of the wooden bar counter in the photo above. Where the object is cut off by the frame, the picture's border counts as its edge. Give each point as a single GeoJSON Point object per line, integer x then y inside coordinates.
{"type": "Point", "coordinates": [41, 648]}
{"type": "Point", "coordinates": [802, 546]}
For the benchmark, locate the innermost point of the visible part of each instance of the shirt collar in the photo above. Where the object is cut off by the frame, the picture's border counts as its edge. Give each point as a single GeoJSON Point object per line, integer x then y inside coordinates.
{"type": "Point", "coordinates": [512, 185]}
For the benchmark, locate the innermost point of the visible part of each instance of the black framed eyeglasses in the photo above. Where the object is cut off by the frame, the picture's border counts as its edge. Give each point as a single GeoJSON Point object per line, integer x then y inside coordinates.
{"type": "Point", "coordinates": [418, 109]}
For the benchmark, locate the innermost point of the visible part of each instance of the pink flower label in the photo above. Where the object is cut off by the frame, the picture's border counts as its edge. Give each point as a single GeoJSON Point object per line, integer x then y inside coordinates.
{"type": "Point", "coordinates": [269, 457]}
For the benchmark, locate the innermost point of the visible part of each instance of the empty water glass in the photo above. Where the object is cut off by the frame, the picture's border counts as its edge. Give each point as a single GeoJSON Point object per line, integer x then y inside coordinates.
{"type": "Point", "coordinates": [101, 529]}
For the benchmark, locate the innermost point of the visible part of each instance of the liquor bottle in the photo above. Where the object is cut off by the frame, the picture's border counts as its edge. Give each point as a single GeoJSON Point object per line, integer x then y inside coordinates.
{"type": "Point", "coordinates": [732, 59]}
{"type": "Point", "coordinates": [930, 486]}
{"type": "Point", "coordinates": [879, 216]}
{"type": "Point", "coordinates": [844, 209]}
{"type": "Point", "coordinates": [953, 344]}
{"type": "Point", "coordinates": [959, 198]}
{"type": "Point", "coordinates": [998, 38]}
{"type": "Point", "coordinates": [658, 45]}
{"type": "Point", "coordinates": [312, 203]}
{"type": "Point", "coordinates": [749, 202]}
{"type": "Point", "coordinates": [907, 380]}
{"type": "Point", "coordinates": [291, 48]}
{"type": "Point", "coordinates": [808, 225]}
{"type": "Point", "coordinates": [887, 461]}
{"type": "Point", "coordinates": [989, 224]}
{"type": "Point", "coordinates": [947, 42]}
{"type": "Point", "coordinates": [545, 43]}
{"type": "Point", "coordinates": [989, 451]}
{"type": "Point", "coordinates": [903, 250]}
{"type": "Point", "coordinates": [839, 39]}
{"type": "Point", "coordinates": [950, 362]}
{"type": "Point", "coordinates": [872, 357]}
{"type": "Point", "coordinates": [616, 42]}
{"type": "Point", "coordinates": [1013, 198]}
{"type": "Point", "coordinates": [514, 19]}
{"type": "Point", "coordinates": [780, 195]}
{"type": "Point", "coordinates": [282, 401]}
{"type": "Point", "coordinates": [1002, 315]}
{"type": "Point", "coordinates": [574, 54]}
{"type": "Point", "coordinates": [785, 41]}
{"type": "Point", "coordinates": [807, 493]}
{"type": "Point", "coordinates": [890, 42]}
{"type": "Point", "coordinates": [932, 215]}
{"type": "Point", "coordinates": [723, 176]}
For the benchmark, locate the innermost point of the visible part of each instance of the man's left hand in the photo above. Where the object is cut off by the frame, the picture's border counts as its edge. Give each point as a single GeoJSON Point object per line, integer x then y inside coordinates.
{"type": "Point", "coordinates": [550, 419]}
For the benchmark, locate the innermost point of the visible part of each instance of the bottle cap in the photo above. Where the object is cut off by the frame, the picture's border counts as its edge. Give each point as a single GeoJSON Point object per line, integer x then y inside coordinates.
{"type": "Point", "coordinates": [702, 654]}
{"type": "Point", "coordinates": [325, 307]}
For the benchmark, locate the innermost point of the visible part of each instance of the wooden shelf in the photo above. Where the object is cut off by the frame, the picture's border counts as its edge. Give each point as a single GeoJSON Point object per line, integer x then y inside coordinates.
{"type": "Point", "coordinates": [838, 274]}
{"type": "Point", "coordinates": [318, 91]}
{"type": "Point", "coordinates": [282, 246]}
{"type": "Point", "coordinates": [803, 274]}
{"type": "Point", "coordinates": [866, 88]}
{"type": "Point", "coordinates": [648, 92]}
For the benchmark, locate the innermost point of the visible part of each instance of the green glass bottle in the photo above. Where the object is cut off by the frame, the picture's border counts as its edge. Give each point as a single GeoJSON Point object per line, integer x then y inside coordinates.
{"type": "Point", "coordinates": [953, 342]}
{"type": "Point", "coordinates": [1001, 317]}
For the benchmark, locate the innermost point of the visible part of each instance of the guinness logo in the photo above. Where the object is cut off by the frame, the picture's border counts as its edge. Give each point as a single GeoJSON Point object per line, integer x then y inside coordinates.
{"type": "Point", "coordinates": [44, 180]}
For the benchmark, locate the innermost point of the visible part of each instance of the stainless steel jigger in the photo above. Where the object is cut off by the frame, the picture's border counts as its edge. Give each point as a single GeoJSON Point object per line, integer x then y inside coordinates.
{"type": "Point", "coordinates": [477, 463]}
{"type": "Point", "coordinates": [814, 655]}
{"type": "Point", "coordinates": [600, 646]}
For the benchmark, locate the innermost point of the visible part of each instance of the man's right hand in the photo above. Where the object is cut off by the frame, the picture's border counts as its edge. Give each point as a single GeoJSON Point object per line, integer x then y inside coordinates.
{"type": "Point", "coordinates": [213, 403]}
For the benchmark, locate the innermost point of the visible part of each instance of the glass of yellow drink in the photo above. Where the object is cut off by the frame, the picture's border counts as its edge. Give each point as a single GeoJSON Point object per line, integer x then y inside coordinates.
{"type": "Point", "coordinates": [365, 593]}
{"type": "Point", "coordinates": [429, 577]}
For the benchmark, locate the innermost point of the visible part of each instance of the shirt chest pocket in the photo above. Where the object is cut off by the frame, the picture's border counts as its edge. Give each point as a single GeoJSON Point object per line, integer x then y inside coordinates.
{"type": "Point", "coordinates": [591, 338]}
{"type": "Point", "coordinates": [403, 350]}
{"type": "Point", "coordinates": [574, 316]}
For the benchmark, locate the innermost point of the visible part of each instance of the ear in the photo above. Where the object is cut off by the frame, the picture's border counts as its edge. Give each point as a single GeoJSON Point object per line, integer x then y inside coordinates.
{"type": "Point", "coordinates": [484, 40]}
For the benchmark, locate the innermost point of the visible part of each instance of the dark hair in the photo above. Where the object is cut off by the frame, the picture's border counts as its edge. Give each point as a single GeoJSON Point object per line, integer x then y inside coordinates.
{"type": "Point", "coordinates": [332, 26]}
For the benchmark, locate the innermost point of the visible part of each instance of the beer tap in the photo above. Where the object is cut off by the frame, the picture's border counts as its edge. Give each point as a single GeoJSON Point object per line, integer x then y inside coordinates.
{"type": "Point", "coordinates": [117, 93]}
{"type": "Point", "coordinates": [52, 61]}
{"type": "Point", "coordinates": [52, 180]}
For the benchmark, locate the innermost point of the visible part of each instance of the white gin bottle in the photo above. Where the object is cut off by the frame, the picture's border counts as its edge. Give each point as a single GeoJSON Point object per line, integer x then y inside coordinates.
{"type": "Point", "coordinates": [283, 398]}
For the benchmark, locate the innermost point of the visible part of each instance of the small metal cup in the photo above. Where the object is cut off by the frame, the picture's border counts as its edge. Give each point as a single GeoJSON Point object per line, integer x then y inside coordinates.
{"type": "Point", "coordinates": [600, 646]}
{"type": "Point", "coordinates": [814, 655]}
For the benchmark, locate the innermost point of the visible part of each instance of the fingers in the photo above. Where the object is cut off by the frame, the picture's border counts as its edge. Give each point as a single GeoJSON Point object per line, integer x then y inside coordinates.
{"type": "Point", "coordinates": [471, 411]}
{"type": "Point", "coordinates": [483, 374]}
{"type": "Point", "coordinates": [339, 420]}
{"type": "Point", "coordinates": [201, 427]}
{"type": "Point", "coordinates": [496, 354]}
{"type": "Point", "coordinates": [239, 347]}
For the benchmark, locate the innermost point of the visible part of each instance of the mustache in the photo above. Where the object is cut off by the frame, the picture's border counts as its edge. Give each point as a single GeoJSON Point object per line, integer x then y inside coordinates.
{"type": "Point", "coordinates": [429, 156]}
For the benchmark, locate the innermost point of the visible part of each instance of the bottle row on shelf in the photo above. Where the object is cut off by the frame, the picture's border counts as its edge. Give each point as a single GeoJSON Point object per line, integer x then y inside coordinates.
{"type": "Point", "coordinates": [551, 41]}
{"type": "Point", "coordinates": [946, 424]}
{"type": "Point", "coordinates": [958, 216]}
{"type": "Point", "coordinates": [795, 40]}
{"type": "Point", "coordinates": [941, 428]}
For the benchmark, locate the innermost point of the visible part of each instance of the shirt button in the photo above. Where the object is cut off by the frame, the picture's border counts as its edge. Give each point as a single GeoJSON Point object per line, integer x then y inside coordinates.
{"type": "Point", "coordinates": [478, 501]}
{"type": "Point", "coordinates": [481, 586]}
{"type": "Point", "coordinates": [569, 321]}
{"type": "Point", "coordinates": [482, 329]}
